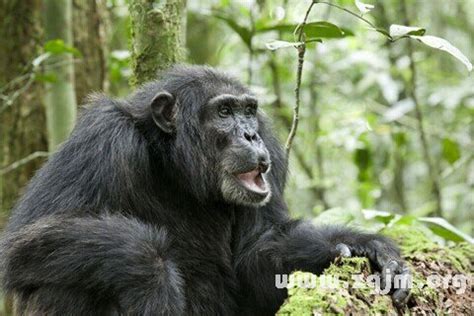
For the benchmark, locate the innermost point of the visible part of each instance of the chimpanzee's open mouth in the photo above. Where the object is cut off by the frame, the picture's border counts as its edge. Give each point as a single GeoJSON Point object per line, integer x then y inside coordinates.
{"type": "Point", "coordinates": [253, 181]}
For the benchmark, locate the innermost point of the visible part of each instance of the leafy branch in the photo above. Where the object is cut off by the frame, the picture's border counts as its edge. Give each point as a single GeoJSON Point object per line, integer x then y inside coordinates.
{"type": "Point", "coordinates": [395, 33]}
{"type": "Point", "coordinates": [307, 32]}
{"type": "Point", "coordinates": [360, 17]}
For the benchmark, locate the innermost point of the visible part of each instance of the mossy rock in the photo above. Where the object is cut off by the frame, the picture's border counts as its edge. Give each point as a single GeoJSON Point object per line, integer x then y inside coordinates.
{"type": "Point", "coordinates": [425, 258]}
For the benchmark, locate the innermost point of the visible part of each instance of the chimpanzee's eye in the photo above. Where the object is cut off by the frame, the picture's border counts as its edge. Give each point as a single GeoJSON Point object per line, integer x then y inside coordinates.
{"type": "Point", "coordinates": [225, 111]}
{"type": "Point", "coordinates": [250, 110]}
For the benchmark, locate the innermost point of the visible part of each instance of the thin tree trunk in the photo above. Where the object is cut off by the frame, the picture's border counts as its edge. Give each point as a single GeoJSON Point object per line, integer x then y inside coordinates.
{"type": "Point", "coordinates": [316, 130]}
{"type": "Point", "coordinates": [60, 95]}
{"type": "Point", "coordinates": [90, 27]}
{"type": "Point", "coordinates": [432, 170]}
{"type": "Point", "coordinates": [22, 115]}
{"type": "Point", "coordinates": [398, 186]}
{"type": "Point", "coordinates": [157, 36]}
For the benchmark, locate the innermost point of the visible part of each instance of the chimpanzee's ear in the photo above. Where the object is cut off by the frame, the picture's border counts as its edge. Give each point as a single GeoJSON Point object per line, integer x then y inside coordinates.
{"type": "Point", "coordinates": [163, 111]}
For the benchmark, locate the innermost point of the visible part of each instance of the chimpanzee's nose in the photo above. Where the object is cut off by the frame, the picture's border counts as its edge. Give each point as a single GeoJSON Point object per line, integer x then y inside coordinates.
{"type": "Point", "coordinates": [263, 163]}
{"type": "Point", "coordinates": [250, 136]}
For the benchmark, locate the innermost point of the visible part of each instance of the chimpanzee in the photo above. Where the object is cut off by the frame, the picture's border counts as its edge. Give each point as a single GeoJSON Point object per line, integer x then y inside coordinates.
{"type": "Point", "coordinates": [169, 201]}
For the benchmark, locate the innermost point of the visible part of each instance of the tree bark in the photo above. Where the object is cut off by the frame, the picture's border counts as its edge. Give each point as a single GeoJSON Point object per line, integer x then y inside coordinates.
{"type": "Point", "coordinates": [22, 114]}
{"type": "Point", "coordinates": [158, 30]}
{"type": "Point", "coordinates": [90, 35]}
{"type": "Point", "coordinates": [60, 95]}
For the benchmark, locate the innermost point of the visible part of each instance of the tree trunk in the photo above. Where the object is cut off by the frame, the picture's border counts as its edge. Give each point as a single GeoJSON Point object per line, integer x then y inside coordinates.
{"type": "Point", "coordinates": [90, 34]}
{"type": "Point", "coordinates": [60, 95]}
{"type": "Point", "coordinates": [22, 115]}
{"type": "Point", "coordinates": [157, 36]}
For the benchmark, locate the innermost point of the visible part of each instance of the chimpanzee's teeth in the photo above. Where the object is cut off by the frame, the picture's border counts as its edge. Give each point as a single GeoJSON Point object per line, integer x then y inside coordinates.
{"type": "Point", "coordinates": [253, 180]}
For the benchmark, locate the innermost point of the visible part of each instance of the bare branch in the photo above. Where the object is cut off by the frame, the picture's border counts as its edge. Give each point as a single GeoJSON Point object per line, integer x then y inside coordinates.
{"type": "Point", "coordinates": [17, 164]}
{"type": "Point", "coordinates": [301, 52]}
{"type": "Point", "coordinates": [350, 12]}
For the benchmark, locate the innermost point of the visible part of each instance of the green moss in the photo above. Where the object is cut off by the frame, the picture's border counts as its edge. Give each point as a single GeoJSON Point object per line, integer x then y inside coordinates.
{"type": "Point", "coordinates": [410, 239]}
{"type": "Point", "coordinates": [339, 298]}
{"type": "Point", "coordinates": [423, 255]}
{"type": "Point", "coordinates": [415, 244]}
{"type": "Point", "coordinates": [158, 42]}
{"type": "Point", "coordinates": [348, 267]}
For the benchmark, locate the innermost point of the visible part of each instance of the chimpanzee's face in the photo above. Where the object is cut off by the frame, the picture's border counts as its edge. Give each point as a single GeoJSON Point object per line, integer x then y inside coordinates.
{"type": "Point", "coordinates": [231, 126]}
{"type": "Point", "coordinates": [220, 151]}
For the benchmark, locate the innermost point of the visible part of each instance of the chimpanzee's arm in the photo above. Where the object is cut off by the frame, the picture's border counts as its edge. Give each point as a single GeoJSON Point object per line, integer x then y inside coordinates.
{"type": "Point", "coordinates": [278, 245]}
{"type": "Point", "coordinates": [113, 257]}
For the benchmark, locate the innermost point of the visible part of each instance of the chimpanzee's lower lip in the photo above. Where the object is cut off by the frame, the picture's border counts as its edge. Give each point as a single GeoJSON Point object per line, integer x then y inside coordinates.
{"type": "Point", "coordinates": [253, 181]}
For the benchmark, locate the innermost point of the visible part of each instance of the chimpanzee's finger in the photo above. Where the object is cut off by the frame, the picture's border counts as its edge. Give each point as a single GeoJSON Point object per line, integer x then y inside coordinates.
{"type": "Point", "coordinates": [400, 297]}
{"type": "Point", "coordinates": [402, 287]}
{"type": "Point", "coordinates": [344, 250]}
{"type": "Point", "coordinates": [389, 271]}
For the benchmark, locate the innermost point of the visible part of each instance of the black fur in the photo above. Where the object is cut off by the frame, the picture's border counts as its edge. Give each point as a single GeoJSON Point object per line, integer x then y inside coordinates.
{"type": "Point", "coordinates": [126, 219]}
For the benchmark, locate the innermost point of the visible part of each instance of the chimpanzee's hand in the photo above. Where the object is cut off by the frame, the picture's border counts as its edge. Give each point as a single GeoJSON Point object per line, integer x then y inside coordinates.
{"type": "Point", "coordinates": [385, 258]}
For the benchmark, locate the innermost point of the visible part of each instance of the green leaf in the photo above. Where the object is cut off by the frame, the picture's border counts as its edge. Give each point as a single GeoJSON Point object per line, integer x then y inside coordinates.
{"type": "Point", "coordinates": [278, 27]}
{"type": "Point", "coordinates": [405, 220]}
{"type": "Point", "coordinates": [244, 33]}
{"type": "Point", "coordinates": [402, 30]}
{"type": "Point", "coordinates": [58, 46]}
{"type": "Point", "coordinates": [47, 77]}
{"type": "Point", "coordinates": [325, 29]}
{"type": "Point", "coordinates": [363, 7]}
{"type": "Point", "coordinates": [276, 44]}
{"type": "Point", "coordinates": [363, 158]}
{"type": "Point", "coordinates": [444, 45]}
{"type": "Point", "coordinates": [321, 29]}
{"type": "Point", "coordinates": [312, 40]}
{"type": "Point", "coordinates": [400, 138]}
{"type": "Point", "coordinates": [383, 31]}
{"type": "Point", "coordinates": [380, 216]}
{"type": "Point", "coordinates": [451, 151]}
{"type": "Point", "coordinates": [429, 40]}
{"type": "Point", "coordinates": [443, 228]}
{"type": "Point", "coordinates": [365, 193]}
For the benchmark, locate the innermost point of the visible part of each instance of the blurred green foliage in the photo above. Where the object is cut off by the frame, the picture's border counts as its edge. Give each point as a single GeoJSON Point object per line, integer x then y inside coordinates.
{"type": "Point", "coordinates": [357, 146]}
